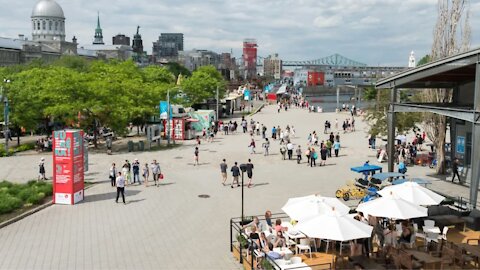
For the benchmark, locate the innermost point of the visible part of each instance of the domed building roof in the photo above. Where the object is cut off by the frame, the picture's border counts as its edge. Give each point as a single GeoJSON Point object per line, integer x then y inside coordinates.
{"type": "Point", "coordinates": [47, 8]}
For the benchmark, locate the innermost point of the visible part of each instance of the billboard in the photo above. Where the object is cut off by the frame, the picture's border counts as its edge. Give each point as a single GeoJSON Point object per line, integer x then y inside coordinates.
{"type": "Point", "coordinates": [315, 78]}
{"type": "Point", "coordinates": [68, 166]}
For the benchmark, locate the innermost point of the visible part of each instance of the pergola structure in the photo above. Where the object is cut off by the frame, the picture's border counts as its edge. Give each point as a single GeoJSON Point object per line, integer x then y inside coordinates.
{"type": "Point", "coordinates": [462, 74]}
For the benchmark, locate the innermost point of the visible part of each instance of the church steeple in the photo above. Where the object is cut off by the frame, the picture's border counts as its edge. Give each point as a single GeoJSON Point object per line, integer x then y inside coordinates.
{"type": "Point", "coordinates": [98, 32]}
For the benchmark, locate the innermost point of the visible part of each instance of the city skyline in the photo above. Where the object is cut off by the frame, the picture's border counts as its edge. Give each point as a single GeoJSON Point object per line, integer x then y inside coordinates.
{"type": "Point", "coordinates": [372, 32]}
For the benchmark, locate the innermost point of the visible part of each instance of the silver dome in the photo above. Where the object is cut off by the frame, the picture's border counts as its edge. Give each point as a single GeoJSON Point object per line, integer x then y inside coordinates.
{"type": "Point", "coordinates": [47, 8]}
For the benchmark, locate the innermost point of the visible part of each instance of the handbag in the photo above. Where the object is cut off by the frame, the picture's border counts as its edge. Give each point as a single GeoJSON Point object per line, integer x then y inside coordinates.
{"type": "Point", "coordinates": [161, 176]}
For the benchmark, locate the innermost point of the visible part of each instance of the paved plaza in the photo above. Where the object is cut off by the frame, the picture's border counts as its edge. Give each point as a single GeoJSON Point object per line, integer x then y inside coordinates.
{"type": "Point", "coordinates": [170, 227]}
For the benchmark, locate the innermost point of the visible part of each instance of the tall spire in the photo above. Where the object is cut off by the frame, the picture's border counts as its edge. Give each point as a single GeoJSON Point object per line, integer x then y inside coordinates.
{"type": "Point", "coordinates": [98, 32]}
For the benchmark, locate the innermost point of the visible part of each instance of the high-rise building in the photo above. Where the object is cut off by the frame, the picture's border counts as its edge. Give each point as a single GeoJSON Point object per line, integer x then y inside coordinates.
{"type": "Point", "coordinates": [98, 40]}
{"type": "Point", "coordinates": [250, 58]}
{"type": "Point", "coordinates": [168, 46]}
{"type": "Point", "coordinates": [272, 67]}
{"type": "Point", "coordinates": [121, 40]}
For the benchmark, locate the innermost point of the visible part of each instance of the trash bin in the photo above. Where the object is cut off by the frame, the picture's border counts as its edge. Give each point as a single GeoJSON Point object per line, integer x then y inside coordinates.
{"type": "Point", "coordinates": [130, 146]}
{"type": "Point", "coordinates": [141, 146]}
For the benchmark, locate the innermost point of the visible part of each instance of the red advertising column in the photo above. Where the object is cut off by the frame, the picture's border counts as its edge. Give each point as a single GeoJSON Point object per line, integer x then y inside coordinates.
{"type": "Point", "coordinates": [68, 159]}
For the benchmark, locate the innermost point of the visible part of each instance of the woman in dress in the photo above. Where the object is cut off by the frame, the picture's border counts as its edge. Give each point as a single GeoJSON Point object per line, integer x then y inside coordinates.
{"type": "Point", "coordinates": [146, 173]}
{"type": "Point", "coordinates": [125, 173]}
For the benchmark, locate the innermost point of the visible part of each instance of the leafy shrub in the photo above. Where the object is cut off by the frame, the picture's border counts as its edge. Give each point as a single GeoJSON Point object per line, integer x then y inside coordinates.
{"type": "Point", "coordinates": [25, 147]}
{"type": "Point", "coordinates": [36, 198]}
{"type": "Point", "coordinates": [5, 184]}
{"type": "Point", "coordinates": [15, 189]}
{"type": "Point", "coordinates": [26, 193]}
{"type": "Point", "coordinates": [45, 188]}
{"type": "Point", "coordinates": [8, 203]}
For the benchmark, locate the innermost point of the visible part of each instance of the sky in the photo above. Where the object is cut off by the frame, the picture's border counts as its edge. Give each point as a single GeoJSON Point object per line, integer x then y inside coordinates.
{"type": "Point", "coordinates": [375, 32]}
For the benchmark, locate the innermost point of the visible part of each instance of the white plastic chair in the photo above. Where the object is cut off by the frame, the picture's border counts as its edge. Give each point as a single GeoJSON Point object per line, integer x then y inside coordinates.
{"type": "Point", "coordinates": [304, 246]}
{"type": "Point", "coordinates": [398, 229]}
{"type": "Point", "coordinates": [415, 227]}
{"type": "Point", "coordinates": [444, 234]}
{"type": "Point", "coordinates": [431, 237]}
{"type": "Point", "coordinates": [429, 223]}
{"type": "Point", "coordinates": [327, 244]}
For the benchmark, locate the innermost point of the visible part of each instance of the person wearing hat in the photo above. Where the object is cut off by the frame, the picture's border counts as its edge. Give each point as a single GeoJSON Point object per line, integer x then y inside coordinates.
{"type": "Point", "coordinates": [136, 171]}
{"type": "Point", "coordinates": [41, 169]}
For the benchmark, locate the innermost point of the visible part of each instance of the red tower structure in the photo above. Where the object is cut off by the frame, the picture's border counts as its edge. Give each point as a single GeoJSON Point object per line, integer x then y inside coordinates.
{"type": "Point", "coordinates": [250, 58]}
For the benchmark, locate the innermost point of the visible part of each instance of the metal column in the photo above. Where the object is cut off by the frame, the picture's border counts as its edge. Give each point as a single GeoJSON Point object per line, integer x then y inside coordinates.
{"type": "Point", "coordinates": [391, 122]}
{"type": "Point", "coordinates": [475, 156]}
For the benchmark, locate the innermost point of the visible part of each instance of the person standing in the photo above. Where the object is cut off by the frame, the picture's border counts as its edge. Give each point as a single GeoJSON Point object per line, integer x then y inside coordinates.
{"type": "Point", "coordinates": [244, 125]}
{"type": "Point", "coordinates": [223, 170]}
{"type": "Point", "coordinates": [336, 147]}
{"type": "Point", "coordinates": [455, 164]}
{"type": "Point", "coordinates": [195, 162]}
{"type": "Point", "coordinates": [120, 181]}
{"type": "Point", "coordinates": [313, 157]}
{"type": "Point", "coordinates": [264, 131]}
{"type": "Point", "coordinates": [109, 145]}
{"type": "Point", "coordinates": [307, 154]}
{"type": "Point", "coordinates": [249, 172]}
{"type": "Point", "coordinates": [136, 171]}
{"type": "Point", "coordinates": [41, 169]}
{"type": "Point", "coordinates": [274, 133]}
{"type": "Point", "coordinates": [235, 173]}
{"type": "Point", "coordinates": [329, 145]}
{"type": "Point", "coordinates": [146, 173]}
{"type": "Point", "coordinates": [155, 171]}
{"type": "Point", "coordinates": [252, 146]}
{"type": "Point", "coordinates": [113, 174]}
{"type": "Point", "coordinates": [323, 154]}
{"type": "Point", "coordinates": [126, 171]}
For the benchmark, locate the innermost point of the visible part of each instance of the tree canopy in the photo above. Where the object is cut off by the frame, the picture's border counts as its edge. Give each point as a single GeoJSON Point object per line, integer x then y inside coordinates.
{"type": "Point", "coordinates": [74, 92]}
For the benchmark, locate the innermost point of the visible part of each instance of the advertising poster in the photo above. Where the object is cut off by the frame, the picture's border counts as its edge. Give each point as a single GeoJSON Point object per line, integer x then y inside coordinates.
{"type": "Point", "coordinates": [68, 166]}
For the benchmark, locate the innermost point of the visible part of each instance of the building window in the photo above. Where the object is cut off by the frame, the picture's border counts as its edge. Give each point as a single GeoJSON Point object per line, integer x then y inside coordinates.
{"type": "Point", "coordinates": [56, 26]}
{"type": "Point", "coordinates": [38, 25]}
{"type": "Point", "coordinates": [44, 25]}
{"type": "Point", "coordinates": [50, 25]}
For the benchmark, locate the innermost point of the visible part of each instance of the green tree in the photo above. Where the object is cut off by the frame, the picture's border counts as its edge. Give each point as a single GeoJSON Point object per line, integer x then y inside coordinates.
{"type": "Point", "coordinates": [178, 69]}
{"type": "Point", "coordinates": [424, 60]}
{"type": "Point", "coordinates": [202, 85]}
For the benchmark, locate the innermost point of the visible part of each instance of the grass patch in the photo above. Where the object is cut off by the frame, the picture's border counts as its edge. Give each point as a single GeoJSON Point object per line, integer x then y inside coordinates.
{"type": "Point", "coordinates": [15, 149]}
{"type": "Point", "coordinates": [17, 196]}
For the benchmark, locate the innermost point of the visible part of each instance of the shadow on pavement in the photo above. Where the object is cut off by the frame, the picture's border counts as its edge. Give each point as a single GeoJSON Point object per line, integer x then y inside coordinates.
{"type": "Point", "coordinates": [108, 196]}
{"type": "Point", "coordinates": [133, 201]}
{"type": "Point", "coordinates": [260, 184]}
{"type": "Point", "coordinates": [167, 184]}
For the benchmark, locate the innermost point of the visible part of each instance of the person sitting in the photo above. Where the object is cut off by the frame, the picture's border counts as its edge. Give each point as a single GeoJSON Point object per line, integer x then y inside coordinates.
{"type": "Point", "coordinates": [278, 225]}
{"type": "Point", "coordinates": [280, 240]}
{"type": "Point", "coordinates": [273, 255]}
{"type": "Point", "coordinates": [406, 235]}
{"type": "Point", "coordinates": [389, 236]}
{"type": "Point", "coordinates": [255, 222]}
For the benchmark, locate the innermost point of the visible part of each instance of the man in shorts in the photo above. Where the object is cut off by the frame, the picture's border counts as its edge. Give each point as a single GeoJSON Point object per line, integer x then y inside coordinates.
{"type": "Point", "coordinates": [235, 173]}
{"type": "Point", "coordinates": [223, 170]}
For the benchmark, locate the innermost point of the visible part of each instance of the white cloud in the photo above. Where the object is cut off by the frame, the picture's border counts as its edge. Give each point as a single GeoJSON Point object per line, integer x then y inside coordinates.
{"type": "Point", "coordinates": [327, 22]}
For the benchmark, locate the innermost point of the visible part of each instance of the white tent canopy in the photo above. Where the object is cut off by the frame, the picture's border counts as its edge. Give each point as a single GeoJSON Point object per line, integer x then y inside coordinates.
{"type": "Point", "coordinates": [392, 207]}
{"type": "Point", "coordinates": [414, 193]}
{"type": "Point", "coordinates": [301, 208]}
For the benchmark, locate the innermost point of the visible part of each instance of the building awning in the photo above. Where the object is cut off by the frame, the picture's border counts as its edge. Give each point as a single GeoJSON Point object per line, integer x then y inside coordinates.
{"type": "Point", "coordinates": [445, 73]}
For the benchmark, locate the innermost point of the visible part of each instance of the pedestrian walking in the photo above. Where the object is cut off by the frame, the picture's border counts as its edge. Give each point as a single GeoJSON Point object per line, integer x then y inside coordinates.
{"type": "Point", "coordinates": [235, 173]}
{"type": "Point", "coordinates": [252, 146]}
{"type": "Point", "coordinates": [313, 157]}
{"type": "Point", "coordinates": [274, 133]}
{"type": "Point", "coordinates": [113, 174]}
{"type": "Point", "coordinates": [108, 142]}
{"type": "Point", "coordinates": [323, 155]}
{"type": "Point", "coordinates": [136, 171]}
{"type": "Point", "coordinates": [146, 173]}
{"type": "Point", "coordinates": [41, 169]}
{"type": "Point", "coordinates": [249, 169]}
{"type": "Point", "coordinates": [329, 145]}
{"type": "Point", "coordinates": [223, 170]}
{"type": "Point", "coordinates": [195, 153]}
{"type": "Point", "coordinates": [264, 131]}
{"type": "Point", "coordinates": [336, 147]}
{"type": "Point", "coordinates": [266, 146]}
{"type": "Point", "coordinates": [455, 164]}
{"type": "Point", "coordinates": [155, 171]}
{"type": "Point", "coordinates": [120, 181]}
{"type": "Point", "coordinates": [307, 154]}
{"type": "Point", "coordinates": [299, 154]}
{"type": "Point", "coordinates": [290, 150]}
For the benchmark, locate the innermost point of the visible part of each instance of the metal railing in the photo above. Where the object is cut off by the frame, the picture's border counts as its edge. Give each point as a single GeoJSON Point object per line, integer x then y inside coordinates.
{"type": "Point", "coordinates": [239, 240]}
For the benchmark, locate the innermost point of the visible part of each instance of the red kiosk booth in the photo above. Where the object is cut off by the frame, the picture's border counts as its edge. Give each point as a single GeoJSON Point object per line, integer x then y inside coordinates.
{"type": "Point", "coordinates": [68, 166]}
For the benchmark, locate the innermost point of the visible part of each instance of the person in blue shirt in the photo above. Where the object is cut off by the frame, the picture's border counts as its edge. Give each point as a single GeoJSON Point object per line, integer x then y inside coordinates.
{"type": "Point", "coordinates": [274, 133]}
{"type": "Point", "coordinates": [365, 173]}
{"type": "Point", "coordinates": [402, 168]}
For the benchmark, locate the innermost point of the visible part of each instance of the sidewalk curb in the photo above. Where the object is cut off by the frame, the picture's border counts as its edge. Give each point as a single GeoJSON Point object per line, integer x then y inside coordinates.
{"type": "Point", "coordinates": [31, 212]}
{"type": "Point", "coordinates": [257, 110]}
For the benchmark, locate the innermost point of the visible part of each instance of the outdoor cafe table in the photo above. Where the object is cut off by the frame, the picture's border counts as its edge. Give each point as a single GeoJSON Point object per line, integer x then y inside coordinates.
{"type": "Point", "coordinates": [431, 229]}
{"type": "Point", "coordinates": [292, 266]}
{"type": "Point", "coordinates": [428, 260]}
{"type": "Point", "coordinates": [366, 263]}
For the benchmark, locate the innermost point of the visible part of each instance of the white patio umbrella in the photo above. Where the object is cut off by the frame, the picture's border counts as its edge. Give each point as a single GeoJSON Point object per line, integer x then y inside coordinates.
{"type": "Point", "coordinates": [304, 207]}
{"type": "Point", "coordinates": [414, 193]}
{"type": "Point", "coordinates": [392, 207]}
{"type": "Point", "coordinates": [333, 225]}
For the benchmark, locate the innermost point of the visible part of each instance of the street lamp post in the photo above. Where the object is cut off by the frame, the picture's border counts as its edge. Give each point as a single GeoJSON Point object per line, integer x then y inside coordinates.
{"type": "Point", "coordinates": [243, 168]}
{"type": "Point", "coordinates": [168, 116]}
{"type": "Point", "coordinates": [5, 114]}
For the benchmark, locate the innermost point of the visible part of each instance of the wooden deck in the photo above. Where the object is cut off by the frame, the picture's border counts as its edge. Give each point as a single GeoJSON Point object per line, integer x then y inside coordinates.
{"type": "Point", "coordinates": [319, 260]}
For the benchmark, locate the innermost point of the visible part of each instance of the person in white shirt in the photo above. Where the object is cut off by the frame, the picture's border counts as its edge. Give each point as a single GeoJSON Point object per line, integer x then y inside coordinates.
{"type": "Point", "coordinates": [290, 150]}
{"type": "Point", "coordinates": [120, 187]}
